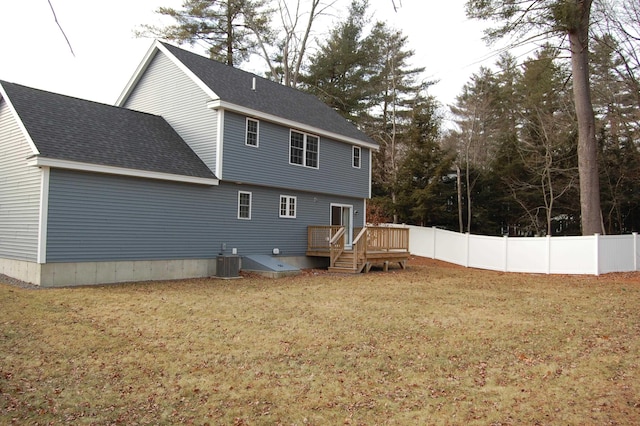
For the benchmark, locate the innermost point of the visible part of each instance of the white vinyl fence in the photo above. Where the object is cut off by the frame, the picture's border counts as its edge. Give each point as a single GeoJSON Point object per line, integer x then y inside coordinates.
{"type": "Point", "coordinates": [596, 254]}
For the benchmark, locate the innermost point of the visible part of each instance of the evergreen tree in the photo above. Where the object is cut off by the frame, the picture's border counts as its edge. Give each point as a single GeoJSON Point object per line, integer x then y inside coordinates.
{"type": "Point", "coordinates": [230, 28]}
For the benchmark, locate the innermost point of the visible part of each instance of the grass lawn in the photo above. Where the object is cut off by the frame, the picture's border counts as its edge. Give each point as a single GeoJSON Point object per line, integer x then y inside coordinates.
{"type": "Point", "coordinates": [433, 344]}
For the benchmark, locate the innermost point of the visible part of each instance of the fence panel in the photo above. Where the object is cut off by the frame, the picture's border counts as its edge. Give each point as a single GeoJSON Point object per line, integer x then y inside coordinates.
{"type": "Point", "coordinates": [528, 255]}
{"type": "Point", "coordinates": [573, 255]}
{"type": "Point", "coordinates": [451, 247]}
{"type": "Point", "coordinates": [487, 252]}
{"type": "Point", "coordinates": [616, 253]}
{"type": "Point", "coordinates": [421, 241]}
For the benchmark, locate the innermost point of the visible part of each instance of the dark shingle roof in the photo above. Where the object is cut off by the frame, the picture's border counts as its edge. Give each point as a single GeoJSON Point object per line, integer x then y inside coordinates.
{"type": "Point", "coordinates": [67, 128]}
{"type": "Point", "coordinates": [235, 86]}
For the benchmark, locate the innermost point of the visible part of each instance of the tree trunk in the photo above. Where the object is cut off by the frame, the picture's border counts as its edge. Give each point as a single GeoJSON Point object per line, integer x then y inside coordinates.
{"type": "Point", "coordinates": [591, 215]}
{"type": "Point", "coordinates": [459, 186]}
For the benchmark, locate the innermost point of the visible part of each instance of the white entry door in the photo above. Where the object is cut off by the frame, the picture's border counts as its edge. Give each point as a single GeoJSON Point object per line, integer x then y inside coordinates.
{"type": "Point", "coordinates": [342, 215]}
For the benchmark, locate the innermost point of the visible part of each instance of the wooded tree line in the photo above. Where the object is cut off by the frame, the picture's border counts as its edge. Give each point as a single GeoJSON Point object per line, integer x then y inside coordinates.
{"type": "Point", "coordinates": [518, 159]}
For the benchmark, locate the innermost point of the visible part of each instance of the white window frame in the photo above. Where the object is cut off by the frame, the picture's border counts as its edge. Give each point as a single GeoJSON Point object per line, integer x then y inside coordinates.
{"type": "Point", "coordinates": [240, 194]}
{"type": "Point", "coordinates": [289, 200]}
{"type": "Point", "coordinates": [358, 156]}
{"type": "Point", "coordinates": [305, 150]}
{"type": "Point", "coordinates": [246, 133]}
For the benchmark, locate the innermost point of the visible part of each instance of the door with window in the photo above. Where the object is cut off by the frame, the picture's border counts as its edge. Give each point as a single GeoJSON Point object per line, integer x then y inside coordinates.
{"type": "Point", "coordinates": [342, 215]}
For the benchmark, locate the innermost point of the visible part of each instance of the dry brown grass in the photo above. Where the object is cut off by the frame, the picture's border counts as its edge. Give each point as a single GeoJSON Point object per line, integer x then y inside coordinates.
{"type": "Point", "coordinates": [430, 345]}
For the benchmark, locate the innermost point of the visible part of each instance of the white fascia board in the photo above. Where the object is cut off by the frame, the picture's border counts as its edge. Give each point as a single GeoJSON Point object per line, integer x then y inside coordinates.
{"type": "Point", "coordinates": [97, 168]}
{"type": "Point", "coordinates": [219, 145]}
{"type": "Point", "coordinates": [43, 215]}
{"type": "Point", "coordinates": [25, 133]}
{"type": "Point", "coordinates": [144, 64]}
{"type": "Point", "coordinates": [219, 104]}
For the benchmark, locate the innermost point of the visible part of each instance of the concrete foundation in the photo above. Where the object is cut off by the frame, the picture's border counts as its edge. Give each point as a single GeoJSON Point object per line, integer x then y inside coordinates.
{"type": "Point", "coordinates": [91, 273]}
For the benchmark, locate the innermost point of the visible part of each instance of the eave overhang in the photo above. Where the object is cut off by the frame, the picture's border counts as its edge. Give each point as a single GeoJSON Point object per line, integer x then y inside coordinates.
{"type": "Point", "coordinates": [217, 104]}
{"type": "Point", "coordinates": [39, 161]}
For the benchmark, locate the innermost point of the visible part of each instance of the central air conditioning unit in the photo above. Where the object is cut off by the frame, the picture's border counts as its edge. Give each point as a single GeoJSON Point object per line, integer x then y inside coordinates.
{"type": "Point", "coordinates": [228, 266]}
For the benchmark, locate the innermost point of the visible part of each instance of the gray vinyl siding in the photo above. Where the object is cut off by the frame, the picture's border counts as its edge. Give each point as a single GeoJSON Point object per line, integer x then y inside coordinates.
{"type": "Point", "coordinates": [19, 192]}
{"type": "Point", "coordinates": [268, 164]}
{"type": "Point", "coordinates": [165, 90]}
{"type": "Point", "coordinates": [95, 217]}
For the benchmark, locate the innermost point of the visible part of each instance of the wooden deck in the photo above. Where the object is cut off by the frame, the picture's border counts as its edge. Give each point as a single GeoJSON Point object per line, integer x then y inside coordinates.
{"type": "Point", "coordinates": [371, 245]}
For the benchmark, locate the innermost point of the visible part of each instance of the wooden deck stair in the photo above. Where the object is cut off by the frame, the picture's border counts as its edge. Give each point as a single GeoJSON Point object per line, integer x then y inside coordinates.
{"type": "Point", "coordinates": [345, 263]}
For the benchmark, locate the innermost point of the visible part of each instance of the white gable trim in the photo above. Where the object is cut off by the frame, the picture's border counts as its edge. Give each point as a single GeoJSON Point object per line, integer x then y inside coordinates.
{"type": "Point", "coordinates": [223, 105]}
{"type": "Point", "coordinates": [23, 129]}
{"type": "Point", "coordinates": [156, 47]}
{"type": "Point", "coordinates": [219, 145]}
{"type": "Point", "coordinates": [96, 168]}
{"type": "Point", "coordinates": [44, 215]}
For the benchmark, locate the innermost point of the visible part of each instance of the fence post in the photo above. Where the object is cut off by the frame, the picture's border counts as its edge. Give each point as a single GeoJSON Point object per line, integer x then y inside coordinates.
{"type": "Point", "coordinates": [435, 231]}
{"type": "Point", "coordinates": [548, 254]}
{"type": "Point", "coordinates": [466, 261]}
{"type": "Point", "coordinates": [596, 239]}
{"type": "Point", "coordinates": [506, 254]}
{"type": "Point", "coordinates": [635, 251]}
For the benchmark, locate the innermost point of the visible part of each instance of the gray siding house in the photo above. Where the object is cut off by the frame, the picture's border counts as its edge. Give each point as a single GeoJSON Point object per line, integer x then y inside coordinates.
{"type": "Point", "coordinates": [197, 159]}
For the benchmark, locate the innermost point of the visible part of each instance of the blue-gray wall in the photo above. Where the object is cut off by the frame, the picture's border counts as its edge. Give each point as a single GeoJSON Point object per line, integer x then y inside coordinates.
{"type": "Point", "coordinates": [19, 192]}
{"type": "Point", "coordinates": [96, 217]}
{"type": "Point", "coordinates": [268, 164]}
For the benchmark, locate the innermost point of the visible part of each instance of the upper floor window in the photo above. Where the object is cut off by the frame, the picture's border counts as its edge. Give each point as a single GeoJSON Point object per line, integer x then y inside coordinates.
{"type": "Point", "coordinates": [303, 149]}
{"type": "Point", "coordinates": [252, 132]}
{"type": "Point", "coordinates": [287, 206]}
{"type": "Point", "coordinates": [356, 157]}
{"type": "Point", "coordinates": [244, 205]}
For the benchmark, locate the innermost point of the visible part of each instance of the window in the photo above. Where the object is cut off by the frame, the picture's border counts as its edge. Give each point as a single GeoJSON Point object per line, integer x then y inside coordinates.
{"type": "Point", "coordinates": [244, 205]}
{"type": "Point", "coordinates": [252, 132]}
{"type": "Point", "coordinates": [356, 157]}
{"type": "Point", "coordinates": [303, 149]}
{"type": "Point", "coordinates": [287, 206]}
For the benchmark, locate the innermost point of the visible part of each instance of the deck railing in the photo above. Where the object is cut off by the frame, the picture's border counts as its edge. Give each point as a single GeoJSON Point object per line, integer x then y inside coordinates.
{"type": "Point", "coordinates": [319, 237]}
{"type": "Point", "coordinates": [378, 238]}
{"type": "Point", "coordinates": [382, 238]}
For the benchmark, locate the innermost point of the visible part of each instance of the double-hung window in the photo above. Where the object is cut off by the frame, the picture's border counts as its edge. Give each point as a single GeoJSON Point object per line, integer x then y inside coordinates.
{"type": "Point", "coordinates": [252, 132]}
{"type": "Point", "coordinates": [287, 206]}
{"type": "Point", "coordinates": [356, 157]}
{"type": "Point", "coordinates": [304, 149]}
{"type": "Point", "coordinates": [244, 205]}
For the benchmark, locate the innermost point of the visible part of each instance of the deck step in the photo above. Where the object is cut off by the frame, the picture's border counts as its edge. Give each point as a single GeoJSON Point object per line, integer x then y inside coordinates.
{"type": "Point", "coordinates": [340, 270]}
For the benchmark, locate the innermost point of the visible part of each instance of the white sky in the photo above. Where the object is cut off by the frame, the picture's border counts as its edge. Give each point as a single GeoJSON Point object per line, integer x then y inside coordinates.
{"type": "Point", "coordinates": [33, 51]}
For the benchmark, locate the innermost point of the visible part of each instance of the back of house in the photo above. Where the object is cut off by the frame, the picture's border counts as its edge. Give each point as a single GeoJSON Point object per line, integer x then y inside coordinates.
{"type": "Point", "coordinates": [197, 159]}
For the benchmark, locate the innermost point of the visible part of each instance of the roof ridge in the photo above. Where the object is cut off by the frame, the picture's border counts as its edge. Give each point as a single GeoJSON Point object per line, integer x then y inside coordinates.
{"type": "Point", "coordinates": [238, 69]}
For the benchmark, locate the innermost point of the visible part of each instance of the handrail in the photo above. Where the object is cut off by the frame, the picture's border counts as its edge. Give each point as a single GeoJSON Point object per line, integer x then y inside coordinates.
{"type": "Point", "coordinates": [359, 250]}
{"type": "Point", "coordinates": [336, 245]}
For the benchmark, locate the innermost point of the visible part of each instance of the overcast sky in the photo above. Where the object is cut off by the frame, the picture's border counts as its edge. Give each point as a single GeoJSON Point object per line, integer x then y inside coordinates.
{"type": "Point", "coordinates": [35, 53]}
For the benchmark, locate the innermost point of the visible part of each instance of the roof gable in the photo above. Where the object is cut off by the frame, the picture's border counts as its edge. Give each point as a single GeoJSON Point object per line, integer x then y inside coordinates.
{"type": "Point", "coordinates": [77, 130]}
{"type": "Point", "coordinates": [251, 92]}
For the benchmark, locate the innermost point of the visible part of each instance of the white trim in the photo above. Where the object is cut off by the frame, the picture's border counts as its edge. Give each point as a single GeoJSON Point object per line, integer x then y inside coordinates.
{"type": "Point", "coordinates": [304, 150]}
{"type": "Point", "coordinates": [370, 171]}
{"type": "Point", "coordinates": [219, 104]}
{"type": "Point", "coordinates": [16, 116]}
{"type": "Point", "coordinates": [96, 168]}
{"type": "Point", "coordinates": [219, 144]}
{"type": "Point", "coordinates": [348, 232]}
{"type": "Point", "coordinates": [43, 215]}
{"type": "Point", "coordinates": [144, 64]}
{"type": "Point", "coordinates": [288, 207]}
{"type": "Point", "coordinates": [246, 132]}
{"type": "Point", "coordinates": [353, 156]}
{"type": "Point", "coordinates": [250, 204]}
